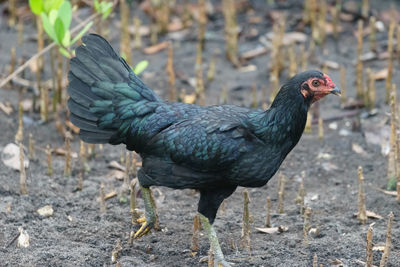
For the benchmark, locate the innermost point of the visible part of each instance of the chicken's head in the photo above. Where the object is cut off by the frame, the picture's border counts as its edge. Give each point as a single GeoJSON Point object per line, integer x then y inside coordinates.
{"type": "Point", "coordinates": [316, 85]}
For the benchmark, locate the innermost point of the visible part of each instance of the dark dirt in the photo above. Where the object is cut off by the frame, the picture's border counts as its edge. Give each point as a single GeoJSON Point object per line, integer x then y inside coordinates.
{"type": "Point", "coordinates": [78, 235]}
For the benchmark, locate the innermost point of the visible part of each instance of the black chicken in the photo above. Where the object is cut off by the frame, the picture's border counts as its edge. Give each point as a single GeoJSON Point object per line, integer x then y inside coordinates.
{"type": "Point", "coordinates": [212, 149]}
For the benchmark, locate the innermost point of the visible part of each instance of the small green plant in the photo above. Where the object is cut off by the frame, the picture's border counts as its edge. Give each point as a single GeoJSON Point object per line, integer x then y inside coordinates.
{"type": "Point", "coordinates": [140, 67]}
{"type": "Point", "coordinates": [103, 7]}
{"type": "Point", "coordinates": [56, 16]}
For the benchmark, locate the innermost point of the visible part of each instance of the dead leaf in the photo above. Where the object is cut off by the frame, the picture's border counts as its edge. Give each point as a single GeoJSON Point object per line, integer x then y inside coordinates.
{"type": "Point", "coordinates": [337, 262]}
{"type": "Point", "coordinates": [23, 238]}
{"type": "Point", "coordinates": [261, 50]}
{"type": "Point", "coordinates": [116, 174]}
{"type": "Point", "coordinates": [368, 56]}
{"type": "Point", "coordinates": [331, 64]}
{"type": "Point", "coordinates": [70, 125]}
{"type": "Point", "coordinates": [248, 68]}
{"type": "Point", "coordinates": [46, 211]}
{"type": "Point", "coordinates": [327, 166]}
{"type": "Point", "coordinates": [370, 214]}
{"type": "Point", "coordinates": [273, 230]}
{"type": "Point", "coordinates": [381, 75]}
{"type": "Point", "coordinates": [358, 149]}
{"type": "Point", "coordinates": [10, 157]}
{"type": "Point", "coordinates": [115, 165]}
{"type": "Point", "coordinates": [110, 195]}
{"type": "Point", "coordinates": [155, 48]}
{"type": "Point", "coordinates": [290, 37]}
{"type": "Point", "coordinates": [190, 98]}
{"type": "Point", "coordinates": [6, 108]}
{"type": "Point", "coordinates": [380, 248]}
{"type": "Point", "coordinates": [62, 152]}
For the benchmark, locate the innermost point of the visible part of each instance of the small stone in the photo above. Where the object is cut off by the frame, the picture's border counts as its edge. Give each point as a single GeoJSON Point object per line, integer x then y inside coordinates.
{"type": "Point", "coordinates": [46, 211]}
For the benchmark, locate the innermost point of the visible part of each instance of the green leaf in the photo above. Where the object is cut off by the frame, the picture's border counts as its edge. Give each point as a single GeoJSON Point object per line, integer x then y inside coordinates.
{"type": "Point", "coordinates": [36, 6]}
{"type": "Point", "coordinates": [106, 9]}
{"type": "Point", "coordinates": [140, 67]}
{"type": "Point", "coordinates": [60, 30]}
{"type": "Point", "coordinates": [64, 52]}
{"type": "Point", "coordinates": [67, 39]}
{"type": "Point", "coordinates": [53, 16]}
{"type": "Point", "coordinates": [48, 27]}
{"type": "Point", "coordinates": [65, 13]}
{"type": "Point", "coordinates": [49, 5]}
{"type": "Point", "coordinates": [82, 32]}
{"type": "Point", "coordinates": [96, 5]}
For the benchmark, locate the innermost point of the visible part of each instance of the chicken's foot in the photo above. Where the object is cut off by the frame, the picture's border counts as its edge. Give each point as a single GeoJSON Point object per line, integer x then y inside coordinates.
{"type": "Point", "coordinates": [150, 220]}
{"type": "Point", "coordinates": [214, 243]}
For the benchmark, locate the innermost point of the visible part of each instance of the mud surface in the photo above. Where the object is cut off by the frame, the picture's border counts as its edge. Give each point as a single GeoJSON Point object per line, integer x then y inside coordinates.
{"type": "Point", "coordinates": [79, 235]}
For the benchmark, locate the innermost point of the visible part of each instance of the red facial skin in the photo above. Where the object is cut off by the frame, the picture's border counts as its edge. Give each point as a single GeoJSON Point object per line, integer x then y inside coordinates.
{"type": "Point", "coordinates": [317, 88]}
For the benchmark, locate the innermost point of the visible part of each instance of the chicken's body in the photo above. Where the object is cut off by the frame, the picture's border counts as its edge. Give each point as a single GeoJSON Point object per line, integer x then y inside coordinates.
{"type": "Point", "coordinates": [213, 149]}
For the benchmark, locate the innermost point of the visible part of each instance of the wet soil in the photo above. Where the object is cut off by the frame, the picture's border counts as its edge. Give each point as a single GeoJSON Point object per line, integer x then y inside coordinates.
{"type": "Point", "coordinates": [77, 234]}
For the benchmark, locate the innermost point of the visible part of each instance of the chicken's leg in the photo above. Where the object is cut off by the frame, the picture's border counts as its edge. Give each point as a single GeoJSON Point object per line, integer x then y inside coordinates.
{"type": "Point", "coordinates": [216, 248]}
{"type": "Point", "coordinates": [150, 219]}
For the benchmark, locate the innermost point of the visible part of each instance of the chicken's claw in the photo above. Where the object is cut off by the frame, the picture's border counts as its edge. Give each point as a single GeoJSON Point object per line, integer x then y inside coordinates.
{"type": "Point", "coordinates": [144, 229]}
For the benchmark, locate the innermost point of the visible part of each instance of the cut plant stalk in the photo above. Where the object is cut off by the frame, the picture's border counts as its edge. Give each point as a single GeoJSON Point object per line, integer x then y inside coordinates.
{"type": "Point", "coordinates": [368, 262]}
{"type": "Point", "coordinates": [391, 168]}
{"type": "Point", "coordinates": [231, 33]}
{"type": "Point", "coordinates": [171, 73]}
{"type": "Point", "coordinates": [302, 193]}
{"type": "Point", "coordinates": [194, 247]}
{"type": "Point", "coordinates": [211, 69]}
{"type": "Point", "coordinates": [371, 89]}
{"type": "Point", "coordinates": [254, 98]}
{"type": "Point", "coordinates": [322, 22]}
{"type": "Point", "coordinates": [245, 236]}
{"type": "Point", "coordinates": [343, 85]}
{"type": "Point", "coordinates": [359, 65]}
{"type": "Point", "coordinates": [315, 260]}
{"type": "Point", "coordinates": [67, 166]}
{"type": "Point", "coordinates": [398, 42]}
{"type": "Point", "coordinates": [292, 60]}
{"type": "Point", "coordinates": [125, 35]}
{"type": "Point", "coordinates": [362, 212]}
{"type": "Point", "coordinates": [127, 169]}
{"type": "Point", "coordinates": [31, 147]}
{"type": "Point", "coordinates": [20, 29]}
{"type": "Point", "coordinates": [365, 8]}
{"type": "Point", "coordinates": [102, 199]}
{"type": "Point", "coordinates": [49, 161]}
{"type": "Point", "coordinates": [372, 34]}
{"type": "Point", "coordinates": [23, 189]}
{"type": "Point", "coordinates": [133, 203]}
{"type": "Point", "coordinates": [320, 129]}
{"type": "Point", "coordinates": [82, 156]}
{"type": "Point", "coordinates": [306, 225]}
{"type": "Point", "coordinates": [336, 18]}
{"type": "Point", "coordinates": [12, 8]}
{"type": "Point", "coordinates": [13, 60]}
{"type": "Point", "coordinates": [308, 127]}
{"type": "Point", "coordinates": [268, 216]}
{"type": "Point", "coordinates": [281, 192]}
{"type": "Point", "coordinates": [390, 60]}
{"type": "Point", "coordinates": [388, 244]}
{"type": "Point", "coordinates": [202, 21]}
{"type": "Point", "coordinates": [118, 248]}
{"type": "Point", "coordinates": [20, 132]}
{"type": "Point", "coordinates": [199, 76]}
{"type": "Point", "coordinates": [137, 37]}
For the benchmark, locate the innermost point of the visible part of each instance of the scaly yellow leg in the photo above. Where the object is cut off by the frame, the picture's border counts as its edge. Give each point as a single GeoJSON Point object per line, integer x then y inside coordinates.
{"type": "Point", "coordinates": [150, 219]}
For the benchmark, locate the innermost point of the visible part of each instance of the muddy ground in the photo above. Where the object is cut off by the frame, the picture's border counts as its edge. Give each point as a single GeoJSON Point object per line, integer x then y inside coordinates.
{"type": "Point", "coordinates": [78, 235]}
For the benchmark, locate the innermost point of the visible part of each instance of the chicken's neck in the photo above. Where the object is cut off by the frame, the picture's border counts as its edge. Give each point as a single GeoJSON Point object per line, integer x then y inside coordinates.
{"type": "Point", "coordinates": [283, 124]}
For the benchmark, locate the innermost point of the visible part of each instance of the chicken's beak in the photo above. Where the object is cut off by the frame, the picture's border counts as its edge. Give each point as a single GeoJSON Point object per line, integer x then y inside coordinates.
{"type": "Point", "coordinates": [336, 91]}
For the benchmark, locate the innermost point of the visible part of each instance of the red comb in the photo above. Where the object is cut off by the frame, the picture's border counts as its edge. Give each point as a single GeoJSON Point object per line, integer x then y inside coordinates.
{"type": "Point", "coordinates": [329, 81]}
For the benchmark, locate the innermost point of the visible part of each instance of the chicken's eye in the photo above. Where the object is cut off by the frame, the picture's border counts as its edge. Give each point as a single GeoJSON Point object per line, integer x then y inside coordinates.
{"type": "Point", "coordinates": [316, 83]}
